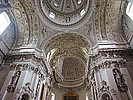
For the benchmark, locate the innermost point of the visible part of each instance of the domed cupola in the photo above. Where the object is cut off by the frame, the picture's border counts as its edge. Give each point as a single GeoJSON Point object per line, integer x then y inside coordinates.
{"type": "Point", "coordinates": [64, 13]}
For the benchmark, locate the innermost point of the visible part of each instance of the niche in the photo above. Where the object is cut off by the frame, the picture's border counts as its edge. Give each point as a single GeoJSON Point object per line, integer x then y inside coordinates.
{"type": "Point", "coordinates": [106, 96]}
{"type": "Point", "coordinates": [25, 96]}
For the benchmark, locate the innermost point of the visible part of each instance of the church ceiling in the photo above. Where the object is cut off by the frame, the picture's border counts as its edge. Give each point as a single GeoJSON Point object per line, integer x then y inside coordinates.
{"type": "Point", "coordinates": [52, 25]}
{"type": "Point", "coordinates": [104, 23]}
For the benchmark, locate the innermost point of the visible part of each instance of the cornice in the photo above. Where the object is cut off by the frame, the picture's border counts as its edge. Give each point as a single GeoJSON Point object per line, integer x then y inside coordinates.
{"type": "Point", "coordinates": [110, 58]}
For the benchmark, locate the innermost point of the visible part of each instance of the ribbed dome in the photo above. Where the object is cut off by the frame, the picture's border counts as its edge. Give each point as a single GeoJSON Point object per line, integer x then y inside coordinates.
{"type": "Point", "coordinates": [66, 6]}
{"type": "Point", "coordinates": [63, 13]}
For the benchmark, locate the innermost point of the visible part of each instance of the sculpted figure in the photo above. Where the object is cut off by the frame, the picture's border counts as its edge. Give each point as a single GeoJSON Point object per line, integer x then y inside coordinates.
{"type": "Point", "coordinates": [15, 78]}
{"type": "Point", "coordinates": [118, 76]}
{"type": "Point", "coordinates": [120, 81]}
{"type": "Point", "coordinates": [14, 82]}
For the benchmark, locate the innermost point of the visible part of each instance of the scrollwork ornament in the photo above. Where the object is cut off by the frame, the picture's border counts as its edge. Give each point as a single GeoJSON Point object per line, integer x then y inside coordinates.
{"type": "Point", "coordinates": [13, 66]}
{"type": "Point", "coordinates": [107, 64]}
{"type": "Point", "coordinates": [25, 66]}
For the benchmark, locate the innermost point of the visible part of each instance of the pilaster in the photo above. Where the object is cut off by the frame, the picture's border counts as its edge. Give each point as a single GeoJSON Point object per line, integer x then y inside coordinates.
{"type": "Point", "coordinates": [110, 75]}
{"type": "Point", "coordinates": [28, 72]}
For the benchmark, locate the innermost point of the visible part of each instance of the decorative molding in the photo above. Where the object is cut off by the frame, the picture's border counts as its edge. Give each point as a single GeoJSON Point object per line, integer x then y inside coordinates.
{"type": "Point", "coordinates": [110, 58]}
{"type": "Point", "coordinates": [28, 62]}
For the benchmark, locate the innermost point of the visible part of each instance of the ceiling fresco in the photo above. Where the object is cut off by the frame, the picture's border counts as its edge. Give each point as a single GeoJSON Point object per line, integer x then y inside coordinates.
{"type": "Point", "coordinates": [52, 26]}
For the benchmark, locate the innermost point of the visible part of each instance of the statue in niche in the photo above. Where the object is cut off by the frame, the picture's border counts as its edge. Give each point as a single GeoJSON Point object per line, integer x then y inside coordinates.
{"type": "Point", "coordinates": [15, 78]}
{"type": "Point", "coordinates": [118, 76]}
{"type": "Point", "coordinates": [120, 81]}
{"type": "Point", "coordinates": [14, 82]}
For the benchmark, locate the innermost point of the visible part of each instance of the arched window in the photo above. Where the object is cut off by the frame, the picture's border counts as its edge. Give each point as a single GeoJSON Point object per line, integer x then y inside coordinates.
{"type": "Point", "coordinates": [4, 22]}
{"type": "Point", "coordinates": [129, 10]}
{"type": "Point", "coordinates": [52, 15]}
{"type": "Point", "coordinates": [82, 12]}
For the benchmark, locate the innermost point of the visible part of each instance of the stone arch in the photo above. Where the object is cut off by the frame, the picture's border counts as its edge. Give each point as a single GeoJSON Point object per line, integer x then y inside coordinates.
{"type": "Point", "coordinates": [46, 40]}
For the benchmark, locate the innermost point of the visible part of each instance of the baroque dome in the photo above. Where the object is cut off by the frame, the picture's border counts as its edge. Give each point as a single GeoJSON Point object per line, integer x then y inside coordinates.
{"type": "Point", "coordinates": [64, 13]}
{"type": "Point", "coordinates": [65, 6]}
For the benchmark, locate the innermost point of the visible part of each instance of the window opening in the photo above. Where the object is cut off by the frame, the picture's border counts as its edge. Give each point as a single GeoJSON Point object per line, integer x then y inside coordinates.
{"type": "Point", "coordinates": [52, 15]}
{"type": "Point", "coordinates": [79, 1]}
{"type": "Point", "coordinates": [129, 10]}
{"type": "Point", "coordinates": [55, 4]}
{"type": "Point", "coordinates": [82, 12]}
{"type": "Point", "coordinates": [4, 22]}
